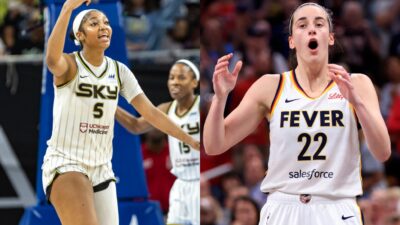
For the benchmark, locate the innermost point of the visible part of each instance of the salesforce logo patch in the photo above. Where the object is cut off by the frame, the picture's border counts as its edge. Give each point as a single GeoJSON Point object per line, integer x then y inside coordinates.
{"type": "Point", "coordinates": [311, 174]}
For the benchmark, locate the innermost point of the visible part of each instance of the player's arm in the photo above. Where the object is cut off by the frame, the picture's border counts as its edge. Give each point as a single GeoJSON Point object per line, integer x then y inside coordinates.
{"type": "Point", "coordinates": [136, 125]}
{"type": "Point", "coordinates": [370, 117]}
{"type": "Point", "coordinates": [160, 120]}
{"type": "Point", "coordinates": [221, 134]}
{"type": "Point", "coordinates": [59, 63]}
{"type": "Point", "coordinates": [360, 92]}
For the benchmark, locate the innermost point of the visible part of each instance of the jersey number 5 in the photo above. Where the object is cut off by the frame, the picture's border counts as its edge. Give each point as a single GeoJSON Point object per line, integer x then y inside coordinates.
{"type": "Point", "coordinates": [98, 110]}
{"type": "Point", "coordinates": [302, 156]}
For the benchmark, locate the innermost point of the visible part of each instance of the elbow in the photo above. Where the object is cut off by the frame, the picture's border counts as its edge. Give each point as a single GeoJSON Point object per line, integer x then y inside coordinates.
{"type": "Point", "coordinates": [129, 125]}
{"type": "Point", "coordinates": [382, 153]}
{"type": "Point", "coordinates": [134, 131]}
{"type": "Point", "coordinates": [385, 155]}
{"type": "Point", "coordinates": [50, 60]}
{"type": "Point", "coordinates": [211, 149]}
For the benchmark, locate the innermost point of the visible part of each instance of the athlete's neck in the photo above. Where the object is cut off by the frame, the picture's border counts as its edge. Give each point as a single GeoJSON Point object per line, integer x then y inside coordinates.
{"type": "Point", "coordinates": [313, 79]}
{"type": "Point", "coordinates": [93, 57]}
{"type": "Point", "coordinates": [185, 103]}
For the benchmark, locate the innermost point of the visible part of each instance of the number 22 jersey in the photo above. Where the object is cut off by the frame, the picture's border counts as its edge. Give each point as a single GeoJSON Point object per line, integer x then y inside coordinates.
{"type": "Point", "coordinates": [314, 143]}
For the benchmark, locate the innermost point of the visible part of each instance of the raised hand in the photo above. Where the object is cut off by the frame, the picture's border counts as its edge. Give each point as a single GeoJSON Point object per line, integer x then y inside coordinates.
{"type": "Point", "coordinates": [73, 4]}
{"type": "Point", "coordinates": [342, 78]}
{"type": "Point", "coordinates": [223, 80]}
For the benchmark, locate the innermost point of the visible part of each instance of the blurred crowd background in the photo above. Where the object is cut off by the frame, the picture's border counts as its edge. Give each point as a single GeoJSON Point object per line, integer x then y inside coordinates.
{"type": "Point", "coordinates": [149, 25]}
{"type": "Point", "coordinates": [367, 36]}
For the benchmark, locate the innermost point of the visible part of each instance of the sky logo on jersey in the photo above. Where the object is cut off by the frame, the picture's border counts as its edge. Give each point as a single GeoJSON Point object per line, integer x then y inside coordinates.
{"type": "Point", "coordinates": [93, 128]}
{"type": "Point", "coordinates": [111, 76]}
{"type": "Point", "coordinates": [97, 91]}
{"type": "Point", "coordinates": [311, 174]}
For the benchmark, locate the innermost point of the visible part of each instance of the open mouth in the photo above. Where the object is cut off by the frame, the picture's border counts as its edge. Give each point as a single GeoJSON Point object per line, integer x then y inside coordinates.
{"type": "Point", "coordinates": [103, 36]}
{"type": "Point", "coordinates": [175, 90]}
{"type": "Point", "coordinates": [313, 44]}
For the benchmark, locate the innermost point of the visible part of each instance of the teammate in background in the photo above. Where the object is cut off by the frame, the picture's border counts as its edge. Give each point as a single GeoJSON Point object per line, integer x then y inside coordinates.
{"type": "Point", "coordinates": [313, 112]}
{"type": "Point", "coordinates": [77, 173]}
{"type": "Point", "coordinates": [184, 197]}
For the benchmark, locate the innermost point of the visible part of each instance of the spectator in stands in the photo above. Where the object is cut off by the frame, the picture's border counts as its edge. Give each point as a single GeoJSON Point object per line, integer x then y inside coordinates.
{"type": "Point", "coordinates": [210, 211]}
{"type": "Point", "coordinates": [393, 121]}
{"type": "Point", "coordinates": [392, 88]}
{"type": "Point", "coordinates": [229, 181]}
{"type": "Point", "coordinates": [385, 22]}
{"type": "Point", "coordinates": [145, 28]}
{"type": "Point", "coordinates": [393, 219]}
{"type": "Point", "coordinates": [372, 170]}
{"type": "Point", "coordinates": [245, 211]}
{"type": "Point", "coordinates": [360, 44]}
{"type": "Point", "coordinates": [213, 41]}
{"type": "Point", "coordinates": [22, 31]}
{"type": "Point", "coordinates": [384, 204]}
{"type": "Point", "coordinates": [177, 36]}
{"type": "Point", "coordinates": [232, 194]}
{"type": "Point", "coordinates": [205, 189]}
{"type": "Point", "coordinates": [254, 172]}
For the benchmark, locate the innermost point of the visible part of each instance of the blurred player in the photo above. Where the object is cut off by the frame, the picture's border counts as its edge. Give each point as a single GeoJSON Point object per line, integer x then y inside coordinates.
{"type": "Point", "coordinates": [77, 173]}
{"type": "Point", "coordinates": [314, 163]}
{"type": "Point", "coordinates": [184, 197]}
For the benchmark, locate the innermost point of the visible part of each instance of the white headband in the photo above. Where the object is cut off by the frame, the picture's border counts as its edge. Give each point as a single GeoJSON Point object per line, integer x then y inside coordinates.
{"type": "Point", "coordinates": [191, 66]}
{"type": "Point", "coordinates": [77, 23]}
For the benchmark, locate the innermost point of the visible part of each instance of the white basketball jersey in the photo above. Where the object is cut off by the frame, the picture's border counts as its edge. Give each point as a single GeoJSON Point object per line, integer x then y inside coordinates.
{"type": "Point", "coordinates": [83, 112]}
{"type": "Point", "coordinates": [314, 143]}
{"type": "Point", "coordinates": [185, 160]}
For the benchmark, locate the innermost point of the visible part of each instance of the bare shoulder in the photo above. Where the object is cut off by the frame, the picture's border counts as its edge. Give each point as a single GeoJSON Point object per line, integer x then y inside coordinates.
{"type": "Point", "coordinates": [363, 84]}
{"type": "Point", "coordinates": [360, 78]}
{"type": "Point", "coordinates": [267, 84]}
{"type": "Point", "coordinates": [270, 79]}
{"type": "Point", "coordinates": [264, 89]}
{"type": "Point", "coordinates": [164, 106]}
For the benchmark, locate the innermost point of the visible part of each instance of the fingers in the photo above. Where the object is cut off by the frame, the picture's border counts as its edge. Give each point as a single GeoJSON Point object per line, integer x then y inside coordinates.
{"type": "Point", "coordinates": [222, 64]}
{"type": "Point", "coordinates": [339, 79]}
{"type": "Point", "coordinates": [225, 58]}
{"type": "Point", "coordinates": [220, 71]}
{"type": "Point", "coordinates": [237, 68]}
{"type": "Point", "coordinates": [196, 146]}
{"type": "Point", "coordinates": [339, 71]}
{"type": "Point", "coordinates": [88, 2]}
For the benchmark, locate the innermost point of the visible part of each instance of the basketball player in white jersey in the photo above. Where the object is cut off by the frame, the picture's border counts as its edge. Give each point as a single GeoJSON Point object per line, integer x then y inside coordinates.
{"type": "Point", "coordinates": [184, 198]}
{"type": "Point", "coordinates": [314, 165]}
{"type": "Point", "coordinates": [77, 173]}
